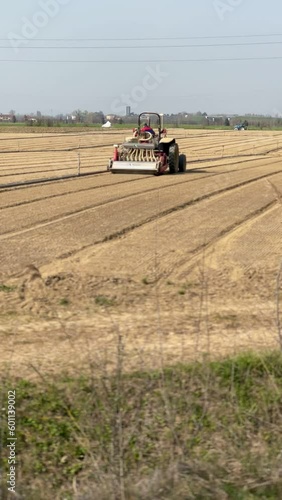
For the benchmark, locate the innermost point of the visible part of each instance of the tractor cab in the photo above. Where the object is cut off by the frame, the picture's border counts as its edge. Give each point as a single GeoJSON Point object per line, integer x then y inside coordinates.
{"type": "Point", "coordinates": [150, 129]}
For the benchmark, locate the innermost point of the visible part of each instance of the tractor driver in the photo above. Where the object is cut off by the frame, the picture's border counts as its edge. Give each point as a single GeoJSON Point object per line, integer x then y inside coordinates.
{"type": "Point", "coordinates": [146, 128]}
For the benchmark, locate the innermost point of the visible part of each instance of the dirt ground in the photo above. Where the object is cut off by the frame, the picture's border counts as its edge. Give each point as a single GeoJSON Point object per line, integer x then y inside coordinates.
{"type": "Point", "coordinates": [169, 268]}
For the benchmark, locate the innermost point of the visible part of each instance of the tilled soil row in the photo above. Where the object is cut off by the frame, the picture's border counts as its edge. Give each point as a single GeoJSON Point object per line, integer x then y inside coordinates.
{"type": "Point", "coordinates": [41, 232]}
{"type": "Point", "coordinates": [61, 153]}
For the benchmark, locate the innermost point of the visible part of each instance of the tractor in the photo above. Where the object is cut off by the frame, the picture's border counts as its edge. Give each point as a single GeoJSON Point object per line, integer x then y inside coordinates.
{"type": "Point", "coordinates": [148, 151]}
{"type": "Point", "coordinates": [242, 126]}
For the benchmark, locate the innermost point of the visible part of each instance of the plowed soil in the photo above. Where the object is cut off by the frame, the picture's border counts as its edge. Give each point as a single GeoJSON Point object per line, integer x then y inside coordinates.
{"type": "Point", "coordinates": [172, 268]}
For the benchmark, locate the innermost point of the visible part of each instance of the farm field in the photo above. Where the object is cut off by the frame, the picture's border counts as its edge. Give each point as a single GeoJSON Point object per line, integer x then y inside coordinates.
{"type": "Point", "coordinates": [180, 266]}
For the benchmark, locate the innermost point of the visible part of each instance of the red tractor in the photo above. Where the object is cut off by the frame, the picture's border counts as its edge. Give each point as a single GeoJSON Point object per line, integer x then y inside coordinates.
{"type": "Point", "coordinates": [148, 151]}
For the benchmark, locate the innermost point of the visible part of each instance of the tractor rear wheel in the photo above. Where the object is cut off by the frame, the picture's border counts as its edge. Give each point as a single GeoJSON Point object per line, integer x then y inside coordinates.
{"type": "Point", "coordinates": [173, 158]}
{"type": "Point", "coordinates": [182, 163]}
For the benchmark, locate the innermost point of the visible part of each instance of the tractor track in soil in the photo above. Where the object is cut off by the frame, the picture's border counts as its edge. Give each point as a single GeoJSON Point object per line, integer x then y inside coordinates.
{"type": "Point", "coordinates": [12, 185]}
{"type": "Point", "coordinates": [46, 136]}
{"type": "Point", "coordinates": [246, 148]}
{"type": "Point", "coordinates": [184, 143]}
{"type": "Point", "coordinates": [203, 249]}
{"type": "Point", "coordinates": [236, 211]}
{"type": "Point", "coordinates": [18, 171]}
{"type": "Point", "coordinates": [66, 249]}
{"type": "Point", "coordinates": [57, 150]}
{"type": "Point", "coordinates": [11, 171]}
{"type": "Point", "coordinates": [198, 246]}
{"type": "Point", "coordinates": [194, 175]}
{"type": "Point", "coordinates": [119, 198]}
{"type": "Point", "coordinates": [49, 180]}
{"type": "Point", "coordinates": [184, 268]}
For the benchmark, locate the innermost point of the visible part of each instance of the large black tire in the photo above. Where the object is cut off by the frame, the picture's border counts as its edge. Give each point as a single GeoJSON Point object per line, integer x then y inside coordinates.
{"type": "Point", "coordinates": [173, 159]}
{"type": "Point", "coordinates": [182, 163]}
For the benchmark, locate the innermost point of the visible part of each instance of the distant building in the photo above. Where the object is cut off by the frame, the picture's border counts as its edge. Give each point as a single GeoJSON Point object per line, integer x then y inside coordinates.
{"type": "Point", "coordinates": [215, 120]}
{"type": "Point", "coordinates": [6, 118]}
{"type": "Point", "coordinates": [30, 119]}
{"type": "Point", "coordinates": [128, 111]}
{"type": "Point", "coordinates": [111, 118]}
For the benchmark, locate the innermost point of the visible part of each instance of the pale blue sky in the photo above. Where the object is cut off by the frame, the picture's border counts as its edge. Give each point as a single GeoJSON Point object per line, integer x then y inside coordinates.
{"type": "Point", "coordinates": [215, 87]}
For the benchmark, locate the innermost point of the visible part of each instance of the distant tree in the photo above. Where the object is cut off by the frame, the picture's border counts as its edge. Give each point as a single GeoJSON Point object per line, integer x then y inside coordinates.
{"type": "Point", "coordinates": [98, 117]}
{"type": "Point", "coordinates": [60, 118]}
{"type": "Point", "coordinates": [12, 112]}
{"type": "Point", "coordinates": [227, 122]}
{"type": "Point", "coordinates": [78, 115]}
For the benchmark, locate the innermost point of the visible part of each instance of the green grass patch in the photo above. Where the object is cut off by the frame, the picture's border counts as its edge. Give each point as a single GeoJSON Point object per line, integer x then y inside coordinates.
{"type": "Point", "coordinates": [64, 302]}
{"type": "Point", "coordinates": [145, 281]}
{"type": "Point", "coordinates": [187, 286]}
{"type": "Point", "coordinates": [102, 300]}
{"type": "Point", "coordinates": [206, 431]}
{"type": "Point", "coordinates": [7, 289]}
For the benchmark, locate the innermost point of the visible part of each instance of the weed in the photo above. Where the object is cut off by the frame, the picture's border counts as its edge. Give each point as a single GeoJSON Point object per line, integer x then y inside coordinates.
{"type": "Point", "coordinates": [64, 302]}
{"type": "Point", "coordinates": [145, 281]}
{"type": "Point", "coordinates": [102, 300]}
{"type": "Point", "coordinates": [187, 286]}
{"type": "Point", "coordinates": [7, 289]}
{"type": "Point", "coordinates": [220, 438]}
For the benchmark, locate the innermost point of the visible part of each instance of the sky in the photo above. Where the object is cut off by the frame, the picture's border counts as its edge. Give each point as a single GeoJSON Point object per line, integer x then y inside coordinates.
{"type": "Point", "coordinates": [142, 55]}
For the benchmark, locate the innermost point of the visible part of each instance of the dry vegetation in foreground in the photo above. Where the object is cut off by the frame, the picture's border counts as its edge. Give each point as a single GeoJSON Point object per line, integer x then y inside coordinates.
{"type": "Point", "coordinates": [198, 431]}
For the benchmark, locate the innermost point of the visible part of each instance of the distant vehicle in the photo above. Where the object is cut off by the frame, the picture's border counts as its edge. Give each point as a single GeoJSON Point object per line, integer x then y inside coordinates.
{"type": "Point", "coordinates": [242, 126]}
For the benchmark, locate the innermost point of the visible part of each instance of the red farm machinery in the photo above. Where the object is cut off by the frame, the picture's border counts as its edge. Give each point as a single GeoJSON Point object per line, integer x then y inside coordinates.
{"type": "Point", "coordinates": [148, 151]}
